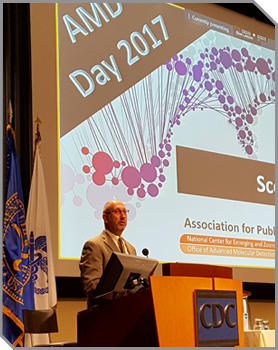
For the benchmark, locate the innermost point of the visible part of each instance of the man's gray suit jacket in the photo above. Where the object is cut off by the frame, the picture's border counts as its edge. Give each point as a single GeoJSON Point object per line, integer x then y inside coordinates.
{"type": "Point", "coordinates": [95, 256]}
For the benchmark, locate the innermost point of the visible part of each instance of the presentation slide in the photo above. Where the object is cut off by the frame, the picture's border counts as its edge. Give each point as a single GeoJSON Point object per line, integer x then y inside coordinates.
{"type": "Point", "coordinates": [173, 113]}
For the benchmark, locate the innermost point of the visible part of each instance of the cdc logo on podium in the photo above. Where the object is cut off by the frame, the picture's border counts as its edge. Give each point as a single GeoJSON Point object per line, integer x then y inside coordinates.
{"type": "Point", "coordinates": [216, 318]}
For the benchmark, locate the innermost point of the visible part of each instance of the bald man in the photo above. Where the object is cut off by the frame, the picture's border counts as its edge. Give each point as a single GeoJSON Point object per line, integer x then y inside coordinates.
{"type": "Point", "coordinates": [98, 250]}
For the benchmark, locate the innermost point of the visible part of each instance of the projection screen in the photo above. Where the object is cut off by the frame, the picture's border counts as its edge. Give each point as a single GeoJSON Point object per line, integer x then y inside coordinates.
{"type": "Point", "coordinates": [172, 111]}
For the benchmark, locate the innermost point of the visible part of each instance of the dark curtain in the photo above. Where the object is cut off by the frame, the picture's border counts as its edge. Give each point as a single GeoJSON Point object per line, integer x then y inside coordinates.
{"type": "Point", "coordinates": [17, 88]}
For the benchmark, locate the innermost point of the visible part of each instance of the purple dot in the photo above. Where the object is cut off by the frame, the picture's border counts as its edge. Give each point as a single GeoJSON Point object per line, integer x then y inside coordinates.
{"type": "Point", "coordinates": [185, 92]}
{"type": "Point", "coordinates": [250, 133]}
{"type": "Point", "coordinates": [219, 84]}
{"type": "Point", "coordinates": [262, 66]}
{"type": "Point", "coordinates": [253, 111]}
{"type": "Point", "coordinates": [208, 86]}
{"type": "Point", "coordinates": [231, 109]}
{"type": "Point", "coordinates": [166, 162]}
{"type": "Point", "coordinates": [230, 99]}
{"type": "Point", "coordinates": [262, 97]}
{"type": "Point", "coordinates": [225, 59]}
{"type": "Point", "coordinates": [207, 65]}
{"type": "Point", "coordinates": [250, 65]}
{"type": "Point", "coordinates": [200, 64]}
{"type": "Point", "coordinates": [152, 190]}
{"type": "Point", "coordinates": [249, 118]}
{"type": "Point", "coordinates": [249, 149]}
{"type": "Point", "coordinates": [272, 93]}
{"type": "Point", "coordinates": [213, 65]}
{"type": "Point", "coordinates": [197, 72]}
{"type": "Point", "coordinates": [221, 70]}
{"type": "Point", "coordinates": [161, 154]}
{"type": "Point", "coordinates": [221, 99]}
{"type": "Point", "coordinates": [155, 161]}
{"type": "Point", "coordinates": [180, 68]}
{"type": "Point", "coordinates": [188, 61]}
{"type": "Point", "coordinates": [141, 193]}
{"type": "Point", "coordinates": [131, 177]}
{"type": "Point", "coordinates": [242, 134]}
{"type": "Point", "coordinates": [175, 58]}
{"type": "Point", "coordinates": [244, 52]}
{"type": "Point", "coordinates": [148, 172]}
{"type": "Point", "coordinates": [239, 67]}
{"type": "Point", "coordinates": [130, 191]}
{"type": "Point", "coordinates": [115, 181]}
{"type": "Point", "coordinates": [236, 55]}
{"type": "Point", "coordinates": [162, 178]}
{"type": "Point", "coordinates": [169, 67]}
{"type": "Point", "coordinates": [168, 147]}
{"type": "Point", "coordinates": [238, 109]}
{"type": "Point", "coordinates": [214, 51]}
{"type": "Point", "coordinates": [192, 88]}
{"type": "Point", "coordinates": [239, 122]}
{"type": "Point", "coordinates": [226, 108]}
{"type": "Point", "coordinates": [202, 56]}
{"type": "Point", "coordinates": [211, 57]}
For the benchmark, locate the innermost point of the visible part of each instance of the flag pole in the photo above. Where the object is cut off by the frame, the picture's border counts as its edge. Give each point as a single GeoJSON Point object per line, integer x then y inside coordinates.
{"type": "Point", "coordinates": [10, 113]}
{"type": "Point", "coordinates": [38, 134]}
{"type": "Point", "coordinates": [10, 117]}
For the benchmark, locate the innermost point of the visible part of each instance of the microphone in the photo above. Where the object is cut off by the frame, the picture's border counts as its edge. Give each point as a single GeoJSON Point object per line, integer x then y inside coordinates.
{"type": "Point", "coordinates": [145, 252]}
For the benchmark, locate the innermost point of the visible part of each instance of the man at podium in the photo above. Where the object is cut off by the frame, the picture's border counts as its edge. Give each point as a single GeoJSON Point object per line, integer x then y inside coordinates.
{"type": "Point", "coordinates": [97, 251]}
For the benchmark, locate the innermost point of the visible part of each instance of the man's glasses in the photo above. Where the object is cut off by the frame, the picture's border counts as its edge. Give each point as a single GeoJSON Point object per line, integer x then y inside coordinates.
{"type": "Point", "coordinates": [118, 212]}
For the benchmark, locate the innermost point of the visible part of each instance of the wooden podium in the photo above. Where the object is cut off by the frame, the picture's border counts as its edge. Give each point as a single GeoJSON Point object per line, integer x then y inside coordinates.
{"type": "Point", "coordinates": [162, 315]}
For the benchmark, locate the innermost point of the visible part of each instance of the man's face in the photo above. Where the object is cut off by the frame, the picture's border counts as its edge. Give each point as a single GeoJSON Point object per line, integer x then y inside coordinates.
{"type": "Point", "coordinates": [116, 220]}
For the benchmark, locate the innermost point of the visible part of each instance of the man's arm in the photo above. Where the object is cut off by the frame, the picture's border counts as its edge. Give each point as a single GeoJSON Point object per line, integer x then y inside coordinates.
{"type": "Point", "coordinates": [91, 267]}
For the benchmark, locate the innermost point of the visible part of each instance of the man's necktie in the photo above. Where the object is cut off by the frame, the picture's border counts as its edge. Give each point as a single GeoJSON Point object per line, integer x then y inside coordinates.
{"type": "Point", "coordinates": [121, 245]}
